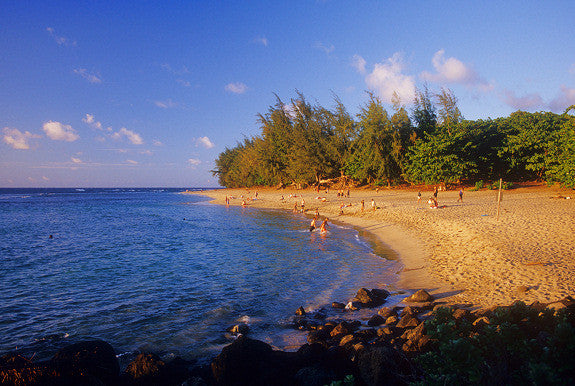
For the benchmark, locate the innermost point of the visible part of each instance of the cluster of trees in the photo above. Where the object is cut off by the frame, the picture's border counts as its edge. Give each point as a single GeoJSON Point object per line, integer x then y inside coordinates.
{"type": "Point", "coordinates": [304, 143]}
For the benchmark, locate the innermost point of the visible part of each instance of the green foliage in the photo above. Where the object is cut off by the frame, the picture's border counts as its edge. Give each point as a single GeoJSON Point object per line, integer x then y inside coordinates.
{"type": "Point", "coordinates": [304, 143]}
{"type": "Point", "coordinates": [519, 346]}
{"type": "Point", "coordinates": [349, 380]}
{"type": "Point", "coordinates": [478, 186]}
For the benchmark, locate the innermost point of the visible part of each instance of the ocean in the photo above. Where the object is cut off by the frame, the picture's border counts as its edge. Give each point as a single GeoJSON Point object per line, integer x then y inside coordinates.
{"type": "Point", "coordinates": [160, 271]}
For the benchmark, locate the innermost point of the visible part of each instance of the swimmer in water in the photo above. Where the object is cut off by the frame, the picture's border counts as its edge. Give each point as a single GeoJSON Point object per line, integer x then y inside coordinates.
{"type": "Point", "coordinates": [312, 226]}
{"type": "Point", "coordinates": [323, 226]}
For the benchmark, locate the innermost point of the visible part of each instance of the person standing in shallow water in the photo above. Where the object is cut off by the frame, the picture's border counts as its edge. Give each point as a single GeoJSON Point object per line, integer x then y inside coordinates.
{"type": "Point", "coordinates": [323, 226]}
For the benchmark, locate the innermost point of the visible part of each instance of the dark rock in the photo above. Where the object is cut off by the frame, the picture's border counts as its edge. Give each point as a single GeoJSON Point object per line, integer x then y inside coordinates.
{"type": "Point", "coordinates": [300, 311]}
{"type": "Point", "coordinates": [409, 310]}
{"type": "Point", "coordinates": [420, 296]}
{"type": "Point", "coordinates": [341, 329]}
{"type": "Point", "coordinates": [318, 336]}
{"type": "Point", "coordinates": [338, 305]}
{"type": "Point", "coordinates": [408, 321]}
{"type": "Point", "coordinates": [239, 329]}
{"type": "Point", "coordinates": [314, 376]}
{"type": "Point", "coordinates": [386, 312]}
{"type": "Point", "coordinates": [251, 362]}
{"type": "Point", "coordinates": [391, 320]}
{"type": "Point", "coordinates": [353, 306]}
{"type": "Point", "coordinates": [375, 320]}
{"type": "Point", "coordinates": [373, 298]}
{"type": "Point", "coordinates": [145, 369]}
{"type": "Point", "coordinates": [91, 359]}
{"type": "Point", "coordinates": [382, 365]}
{"type": "Point", "coordinates": [14, 360]}
{"type": "Point", "coordinates": [311, 353]}
{"type": "Point", "coordinates": [347, 339]}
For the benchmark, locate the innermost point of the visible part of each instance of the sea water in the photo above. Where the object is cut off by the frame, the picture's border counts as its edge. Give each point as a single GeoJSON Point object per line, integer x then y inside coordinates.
{"type": "Point", "coordinates": [161, 271]}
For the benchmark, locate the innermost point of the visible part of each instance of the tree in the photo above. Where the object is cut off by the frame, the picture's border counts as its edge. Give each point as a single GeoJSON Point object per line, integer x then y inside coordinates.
{"type": "Point", "coordinates": [423, 113]}
{"type": "Point", "coordinates": [449, 114]}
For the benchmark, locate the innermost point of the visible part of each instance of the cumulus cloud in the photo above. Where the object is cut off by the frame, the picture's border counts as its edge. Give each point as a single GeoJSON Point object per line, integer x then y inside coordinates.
{"type": "Point", "coordinates": [45, 178]}
{"type": "Point", "coordinates": [59, 132]}
{"type": "Point", "coordinates": [565, 99]}
{"type": "Point", "coordinates": [452, 70]}
{"type": "Point", "coordinates": [236, 88]}
{"type": "Point", "coordinates": [77, 160]}
{"type": "Point", "coordinates": [132, 136]}
{"type": "Point", "coordinates": [155, 142]}
{"type": "Point", "coordinates": [527, 102]}
{"type": "Point", "coordinates": [261, 40]}
{"type": "Point", "coordinates": [17, 139]}
{"type": "Point", "coordinates": [205, 142]}
{"type": "Point", "coordinates": [61, 40]}
{"type": "Point", "coordinates": [90, 77]}
{"type": "Point", "coordinates": [90, 120]}
{"type": "Point", "coordinates": [387, 77]}
{"type": "Point", "coordinates": [358, 63]}
{"type": "Point", "coordinates": [194, 161]}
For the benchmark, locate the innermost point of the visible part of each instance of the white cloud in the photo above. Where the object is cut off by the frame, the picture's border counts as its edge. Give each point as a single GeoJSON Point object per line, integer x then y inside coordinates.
{"type": "Point", "coordinates": [132, 136]}
{"type": "Point", "coordinates": [155, 142]}
{"type": "Point", "coordinates": [131, 161]}
{"type": "Point", "coordinates": [387, 78]}
{"type": "Point", "coordinates": [327, 49]}
{"type": "Point", "coordinates": [194, 161]}
{"type": "Point", "coordinates": [452, 70]}
{"type": "Point", "coordinates": [17, 139]}
{"type": "Point", "coordinates": [167, 104]}
{"type": "Point", "coordinates": [205, 142]}
{"type": "Point", "coordinates": [84, 73]}
{"type": "Point", "coordinates": [77, 160]}
{"type": "Point", "coordinates": [261, 40]}
{"type": "Point", "coordinates": [565, 99]}
{"type": "Point", "coordinates": [147, 152]}
{"type": "Point", "coordinates": [90, 120]}
{"type": "Point", "coordinates": [236, 88]}
{"type": "Point", "coordinates": [184, 82]}
{"type": "Point", "coordinates": [60, 132]}
{"type": "Point", "coordinates": [61, 40]}
{"type": "Point", "coordinates": [358, 63]}
{"type": "Point", "coordinates": [45, 178]}
{"type": "Point", "coordinates": [527, 102]}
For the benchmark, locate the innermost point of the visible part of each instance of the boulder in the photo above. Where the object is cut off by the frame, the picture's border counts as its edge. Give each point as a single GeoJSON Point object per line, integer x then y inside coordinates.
{"type": "Point", "coordinates": [251, 362]}
{"type": "Point", "coordinates": [314, 376]}
{"type": "Point", "coordinates": [145, 369]}
{"type": "Point", "coordinates": [375, 320]}
{"type": "Point", "coordinates": [240, 329]}
{"type": "Point", "coordinates": [373, 298]}
{"type": "Point", "coordinates": [408, 321]}
{"type": "Point", "coordinates": [90, 359]}
{"type": "Point", "coordinates": [382, 365]}
{"type": "Point", "coordinates": [391, 320]}
{"type": "Point", "coordinates": [300, 311]}
{"type": "Point", "coordinates": [421, 296]}
{"type": "Point", "coordinates": [386, 312]}
{"type": "Point", "coordinates": [341, 329]}
{"type": "Point", "coordinates": [338, 305]}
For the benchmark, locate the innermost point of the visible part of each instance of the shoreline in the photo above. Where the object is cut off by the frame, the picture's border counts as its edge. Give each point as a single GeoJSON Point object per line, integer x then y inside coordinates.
{"type": "Point", "coordinates": [461, 252]}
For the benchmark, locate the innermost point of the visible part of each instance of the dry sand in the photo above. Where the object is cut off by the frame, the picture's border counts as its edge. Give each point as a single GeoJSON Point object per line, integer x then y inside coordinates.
{"type": "Point", "coordinates": [460, 250]}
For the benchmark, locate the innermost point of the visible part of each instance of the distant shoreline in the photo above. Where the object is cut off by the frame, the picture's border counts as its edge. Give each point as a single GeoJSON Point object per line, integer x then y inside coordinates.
{"type": "Point", "coordinates": [460, 252]}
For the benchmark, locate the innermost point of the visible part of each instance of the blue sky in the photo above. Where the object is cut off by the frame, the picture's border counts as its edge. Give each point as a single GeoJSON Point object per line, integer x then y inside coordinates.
{"type": "Point", "coordinates": [148, 93]}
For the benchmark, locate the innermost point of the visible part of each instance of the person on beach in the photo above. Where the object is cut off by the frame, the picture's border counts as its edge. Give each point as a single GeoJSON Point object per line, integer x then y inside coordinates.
{"type": "Point", "coordinates": [295, 207]}
{"type": "Point", "coordinates": [432, 203]}
{"type": "Point", "coordinates": [435, 193]}
{"type": "Point", "coordinates": [227, 201]}
{"type": "Point", "coordinates": [373, 207]}
{"type": "Point", "coordinates": [418, 197]}
{"type": "Point", "coordinates": [323, 226]}
{"type": "Point", "coordinates": [362, 205]}
{"type": "Point", "coordinates": [460, 195]}
{"type": "Point", "coordinates": [341, 206]}
{"type": "Point", "coordinates": [244, 203]}
{"type": "Point", "coordinates": [316, 212]}
{"type": "Point", "coordinates": [302, 205]}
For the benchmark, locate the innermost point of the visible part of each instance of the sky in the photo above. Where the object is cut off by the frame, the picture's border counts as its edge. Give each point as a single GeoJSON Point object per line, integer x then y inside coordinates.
{"type": "Point", "coordinates": [148, 93]}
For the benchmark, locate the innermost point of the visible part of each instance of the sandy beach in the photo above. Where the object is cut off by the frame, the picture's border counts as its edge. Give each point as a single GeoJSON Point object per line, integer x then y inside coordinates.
{"type": "Point", "coordinates": [460, 251]}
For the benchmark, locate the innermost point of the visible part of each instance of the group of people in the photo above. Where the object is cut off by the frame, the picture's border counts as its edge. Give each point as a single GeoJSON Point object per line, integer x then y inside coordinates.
{"type": "Point", "coordinates": [322, 228]}
{"type": "Point", "coordinates": [433, 204]}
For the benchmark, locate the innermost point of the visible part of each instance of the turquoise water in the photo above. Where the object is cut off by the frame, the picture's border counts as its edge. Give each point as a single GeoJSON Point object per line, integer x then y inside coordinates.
{"type": "Point", "coordinates": [156, 270]}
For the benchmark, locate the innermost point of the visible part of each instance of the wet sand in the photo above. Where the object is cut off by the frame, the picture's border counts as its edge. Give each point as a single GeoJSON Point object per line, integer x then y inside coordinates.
{"type": "Point", "coordinates": [460, 251]}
